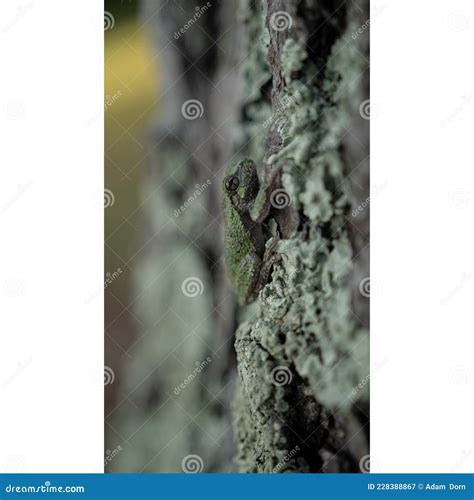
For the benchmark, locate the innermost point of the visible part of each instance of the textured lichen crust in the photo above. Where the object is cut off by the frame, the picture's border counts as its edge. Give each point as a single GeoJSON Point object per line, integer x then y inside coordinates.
{"type": "Point", "coordinates": [303, 349]}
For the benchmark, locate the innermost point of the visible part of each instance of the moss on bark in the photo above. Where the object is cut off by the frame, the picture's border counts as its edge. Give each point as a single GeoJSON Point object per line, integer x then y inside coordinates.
{"type": "Point", "coordinates": [302, 348]}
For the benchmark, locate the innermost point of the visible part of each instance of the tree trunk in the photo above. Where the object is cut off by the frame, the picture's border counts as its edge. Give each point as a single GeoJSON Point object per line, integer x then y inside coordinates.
{"type": "Point", "coordinates": [281, 82]}
{"type": "Point", "coordinates": [303, 354]}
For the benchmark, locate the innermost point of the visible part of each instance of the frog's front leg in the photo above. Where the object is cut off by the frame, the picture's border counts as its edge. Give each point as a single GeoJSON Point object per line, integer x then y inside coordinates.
{"type": "Point", "coordinates": [262, 203]}
{"type": "Point", "coordinates": [284, 214]}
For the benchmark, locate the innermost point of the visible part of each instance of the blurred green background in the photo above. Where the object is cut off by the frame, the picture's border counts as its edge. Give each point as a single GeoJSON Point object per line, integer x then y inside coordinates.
{"type": "Point", "coordinates": [131, 86]}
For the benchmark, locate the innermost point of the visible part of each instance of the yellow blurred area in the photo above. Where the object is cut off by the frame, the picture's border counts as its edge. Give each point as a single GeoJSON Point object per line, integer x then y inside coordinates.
{"type": "Point", "coordinates": [130, 93]}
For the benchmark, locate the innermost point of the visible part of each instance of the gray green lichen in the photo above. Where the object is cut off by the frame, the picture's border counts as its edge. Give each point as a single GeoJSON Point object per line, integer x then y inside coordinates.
{"type": "Point", "coordinates": [303, 324]}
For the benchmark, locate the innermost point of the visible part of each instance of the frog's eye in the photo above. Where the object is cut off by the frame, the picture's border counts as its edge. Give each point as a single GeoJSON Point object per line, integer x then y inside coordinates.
{"type": "Point", "coordinates": [232, 183]}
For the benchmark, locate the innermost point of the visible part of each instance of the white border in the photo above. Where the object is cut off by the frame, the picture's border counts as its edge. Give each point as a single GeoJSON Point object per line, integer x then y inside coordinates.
{"type": "Point", "coordinates": [422, 244]}
{"type": "Point", "coordinates": [51, 251]}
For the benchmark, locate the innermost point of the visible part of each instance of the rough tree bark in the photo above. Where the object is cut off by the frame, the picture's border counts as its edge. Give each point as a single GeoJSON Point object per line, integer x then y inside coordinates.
{"type": "Point", "coordinates": [304, 353]}
{"type": "Point", "coordinates": [283, 81]}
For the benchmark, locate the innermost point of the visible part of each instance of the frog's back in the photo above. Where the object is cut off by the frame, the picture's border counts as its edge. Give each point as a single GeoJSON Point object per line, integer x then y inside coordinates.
{"type": "Point", "coordinates": [238, 241]}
